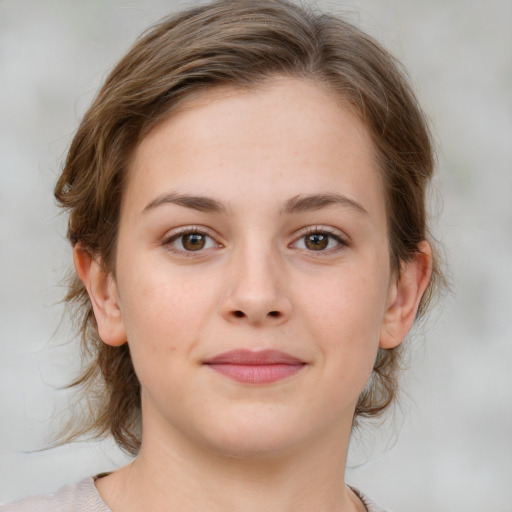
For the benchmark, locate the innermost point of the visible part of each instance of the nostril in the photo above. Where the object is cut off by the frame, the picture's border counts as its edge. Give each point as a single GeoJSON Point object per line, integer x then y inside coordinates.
{"type": "Point", "coordinates": [240, 314]}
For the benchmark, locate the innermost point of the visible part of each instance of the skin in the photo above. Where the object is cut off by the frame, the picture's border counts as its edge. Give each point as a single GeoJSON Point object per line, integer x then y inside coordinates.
{"type": "Point", "coordinates": [211, 443]}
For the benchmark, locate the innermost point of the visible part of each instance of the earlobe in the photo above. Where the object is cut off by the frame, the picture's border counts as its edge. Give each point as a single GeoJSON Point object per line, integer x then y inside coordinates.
{"type": "Point", "coordinates": [404, 297]}
{"type": "Point", "coordinates": [103, 295]}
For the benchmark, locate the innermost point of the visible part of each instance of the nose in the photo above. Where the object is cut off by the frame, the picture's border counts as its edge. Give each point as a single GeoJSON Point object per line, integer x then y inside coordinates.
{"type": "Point", "coordinates": [256, 289]}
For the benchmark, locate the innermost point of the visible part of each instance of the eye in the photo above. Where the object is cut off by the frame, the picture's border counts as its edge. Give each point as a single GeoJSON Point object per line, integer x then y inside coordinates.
{"type": "Point", "coordinates": [319, 241]}
{"type": "Point", "coordinates": [191, 241]}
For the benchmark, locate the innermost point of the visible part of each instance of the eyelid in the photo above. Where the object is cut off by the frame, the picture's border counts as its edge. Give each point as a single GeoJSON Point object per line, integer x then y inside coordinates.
{"type": "Point", "coordinates": [176, 233]}
{"type": "Point", "coordinates": [339, 236]}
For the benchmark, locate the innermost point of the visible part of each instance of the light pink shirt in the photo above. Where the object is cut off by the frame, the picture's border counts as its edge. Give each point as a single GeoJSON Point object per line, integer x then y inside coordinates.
{"type": "Point", "coordinates": [84, 497]}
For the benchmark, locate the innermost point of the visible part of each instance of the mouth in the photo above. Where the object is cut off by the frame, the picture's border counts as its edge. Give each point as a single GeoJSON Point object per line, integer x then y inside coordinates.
{"type": "Point", "coordinates": [255, 367]}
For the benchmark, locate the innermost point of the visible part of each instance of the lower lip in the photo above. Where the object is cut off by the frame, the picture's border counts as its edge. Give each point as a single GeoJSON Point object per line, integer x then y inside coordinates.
{"type": "Point", "coordinates": [257, 374]}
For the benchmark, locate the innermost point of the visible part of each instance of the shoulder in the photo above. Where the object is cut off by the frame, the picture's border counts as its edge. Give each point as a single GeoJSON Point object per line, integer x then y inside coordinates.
{"type": "Point", "coordinates": [368, 503]}
{"type": "Point", "coordinates": [80, 497]}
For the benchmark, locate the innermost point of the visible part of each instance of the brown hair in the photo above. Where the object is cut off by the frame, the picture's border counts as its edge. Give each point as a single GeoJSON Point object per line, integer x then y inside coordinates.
{"type": "Point", "coordinates": [240, 43]}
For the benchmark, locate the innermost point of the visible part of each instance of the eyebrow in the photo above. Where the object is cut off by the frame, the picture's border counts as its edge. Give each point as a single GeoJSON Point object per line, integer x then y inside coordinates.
{"type": "Point", "coordinates": [297, 204]}
{"type": "Point", "coordinates": [306, 203]}
{"type": "Point", "coordinates": [201, 203]}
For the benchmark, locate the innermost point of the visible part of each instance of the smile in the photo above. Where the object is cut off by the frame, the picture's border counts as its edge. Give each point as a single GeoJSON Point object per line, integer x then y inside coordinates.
{"type": "Point", "coordinates": [256, 367]}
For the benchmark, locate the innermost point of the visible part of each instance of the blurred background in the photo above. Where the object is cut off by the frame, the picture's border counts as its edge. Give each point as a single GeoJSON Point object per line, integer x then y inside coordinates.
{"type": "Point", "coordinates": [449, 446]}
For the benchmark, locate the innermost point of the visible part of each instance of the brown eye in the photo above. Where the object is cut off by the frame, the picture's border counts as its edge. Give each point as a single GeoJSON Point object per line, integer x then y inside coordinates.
{"type": "Point", "coordinates": [193, 241]}
{"type": "Point", "coordinates": [316, 241]}
{"type": "Point", "coordinates": [320, 241]}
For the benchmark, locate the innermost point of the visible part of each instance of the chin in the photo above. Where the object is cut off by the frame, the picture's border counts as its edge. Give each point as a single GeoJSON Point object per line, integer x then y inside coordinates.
{"type": "Point", "coordinates": [255, 438]}
{"type": "Point", "coordinates": [254, 447]}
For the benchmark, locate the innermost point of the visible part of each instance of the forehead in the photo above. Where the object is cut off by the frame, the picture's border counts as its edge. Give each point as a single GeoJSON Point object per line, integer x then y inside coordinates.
{"type": "Point", "coordinates": [299, 107]}
{"type": "Point", "coordinates": [285, 137]}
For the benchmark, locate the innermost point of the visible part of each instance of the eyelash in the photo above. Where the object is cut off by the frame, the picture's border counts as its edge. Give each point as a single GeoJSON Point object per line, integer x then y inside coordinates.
{"type": "Point", "coordinates": [341, 243]}
{"type": "Point", "coordinates": [320, 230]}
{"type": "Point", "coordinates": [193, 230]}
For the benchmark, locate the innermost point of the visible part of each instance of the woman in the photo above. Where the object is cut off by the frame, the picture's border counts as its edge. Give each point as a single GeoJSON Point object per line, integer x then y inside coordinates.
{"type": "Point", "coordinates": [247, 213]}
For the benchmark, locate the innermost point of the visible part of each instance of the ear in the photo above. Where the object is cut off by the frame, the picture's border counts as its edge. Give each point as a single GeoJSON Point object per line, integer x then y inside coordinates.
{"type": "Point", "coordinates": [404, 297]}
{"type": "Point", "coordinates": [102, 291]}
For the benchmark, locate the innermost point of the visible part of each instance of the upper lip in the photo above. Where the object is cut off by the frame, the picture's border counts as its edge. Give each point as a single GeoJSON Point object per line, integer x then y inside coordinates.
{"type": "Point", "coordinates": [254, 357]}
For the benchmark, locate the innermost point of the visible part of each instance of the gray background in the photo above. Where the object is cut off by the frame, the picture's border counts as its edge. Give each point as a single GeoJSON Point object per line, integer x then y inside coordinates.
{"type": "Point", "coordinates": [449, 447]}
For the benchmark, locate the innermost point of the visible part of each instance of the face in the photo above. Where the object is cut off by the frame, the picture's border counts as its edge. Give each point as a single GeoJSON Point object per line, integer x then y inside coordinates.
{"type": "Point", "coordinates": [252, 278]}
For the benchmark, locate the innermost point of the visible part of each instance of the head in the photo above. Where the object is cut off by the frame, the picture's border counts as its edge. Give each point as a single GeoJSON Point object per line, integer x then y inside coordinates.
{"type": "Point", "coordinates": [192, 58]}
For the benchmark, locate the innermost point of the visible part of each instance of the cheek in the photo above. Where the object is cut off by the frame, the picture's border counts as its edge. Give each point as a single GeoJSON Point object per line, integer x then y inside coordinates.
{"type": "Point", "coordinates": [352, 303]}
{"type": "Point", "coordinates": [346, 315]}
{"type": "Point", "coordinates": [154, 297]}
{"type": "Point", "coordinates": [164, 316]}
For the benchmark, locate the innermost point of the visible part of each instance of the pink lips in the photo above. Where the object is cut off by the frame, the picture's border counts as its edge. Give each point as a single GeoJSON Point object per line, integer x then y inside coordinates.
{"type": "Point", "coordinates": [256, 367]}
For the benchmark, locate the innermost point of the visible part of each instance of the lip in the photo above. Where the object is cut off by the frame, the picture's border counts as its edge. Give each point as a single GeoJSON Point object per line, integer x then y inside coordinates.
{"type": "Point", "coordinates": [255, 367]}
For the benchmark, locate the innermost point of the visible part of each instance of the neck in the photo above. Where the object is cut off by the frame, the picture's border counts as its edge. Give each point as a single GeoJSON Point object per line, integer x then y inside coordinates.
{"type": "Point", "coordinates": [180, 475]}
